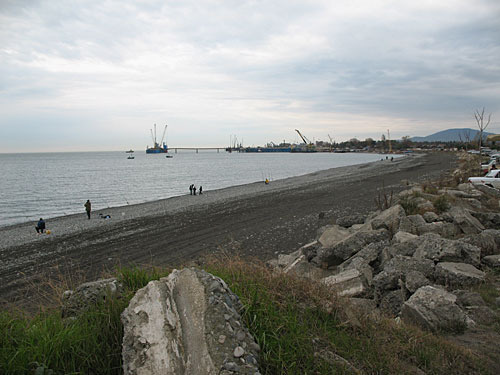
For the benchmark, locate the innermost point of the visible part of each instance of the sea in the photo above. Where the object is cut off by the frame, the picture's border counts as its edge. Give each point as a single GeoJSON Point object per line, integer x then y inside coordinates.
{"type": "Point", "coordinates": [34, 185]}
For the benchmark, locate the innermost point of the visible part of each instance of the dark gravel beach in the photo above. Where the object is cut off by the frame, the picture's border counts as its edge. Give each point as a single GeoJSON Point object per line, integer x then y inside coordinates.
{"type": "Point", "coordinates": [255, 220]}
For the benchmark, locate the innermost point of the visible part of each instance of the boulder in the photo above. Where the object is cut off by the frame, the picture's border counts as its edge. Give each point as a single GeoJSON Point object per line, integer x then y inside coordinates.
{"type": "Point", "coordinates": [333, 235]}
{"type": "Point", "coordinates": [410, 223]}
{"type": "Point", "coordinates": [89, 294]}
{"type": "Point", "coordinates": [401, 237]}
{"type": "Point", "coordinates": [458, 275]}
{"type": "Point", "coordinates": [303, 269]}
{"type": "Point", "coordinates": [349, 220]}
{"type": "Point", "coordinates": [434, 247]}
{"type": "Point", "coordinates": [492, 261]}
{"type": "Point", "coordinates": [486, 241]}
{"type": "Point", "coordinates": [395, 271]}
{"type": "Point", "coordinates": [285, 259]}
{"type": "Point", "coordinates": [466, 298]}
{"type": "Point", "coordinates": [415, 280]}
{"type": "Point", "coordinates": [389, 219]}
{"type": "Point", "coordinates": [346, 248]}
{"type": "Point", "coordinates": [467, 223]}
{"type": "Point", "coordinates": [434, 309]}
{"type": "Point", "coordinates": [186, 323]}
{"type": "Point", "coordinates": [490, 220]}
{"type": "Point", "coordinates": [348, 283]}
{"type": "Point", "coordinates": [430, 217]}
{"type": "Point", "coordinates": [444, 229]}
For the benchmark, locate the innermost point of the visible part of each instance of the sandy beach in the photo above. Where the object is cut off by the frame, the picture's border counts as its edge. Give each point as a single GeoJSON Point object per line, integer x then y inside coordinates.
{"type": "Point", "coordinates": [255, 220]}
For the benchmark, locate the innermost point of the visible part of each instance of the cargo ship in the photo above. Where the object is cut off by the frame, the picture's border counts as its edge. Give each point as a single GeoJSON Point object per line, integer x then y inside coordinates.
{"type": "Point", "coordinates": [158, 148]}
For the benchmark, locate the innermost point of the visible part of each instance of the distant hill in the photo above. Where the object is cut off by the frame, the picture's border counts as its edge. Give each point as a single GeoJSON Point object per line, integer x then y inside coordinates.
{"type": "Point", "coordinates": [451, 135]}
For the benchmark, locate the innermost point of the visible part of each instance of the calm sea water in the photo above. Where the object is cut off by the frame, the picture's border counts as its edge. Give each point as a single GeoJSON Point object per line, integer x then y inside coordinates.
{"type": "Point", "coordinates": [54, 184]}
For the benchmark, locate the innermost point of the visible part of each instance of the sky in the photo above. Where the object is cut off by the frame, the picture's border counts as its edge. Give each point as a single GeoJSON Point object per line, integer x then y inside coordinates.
{"type": "Point", "coordinates": [98, 74]}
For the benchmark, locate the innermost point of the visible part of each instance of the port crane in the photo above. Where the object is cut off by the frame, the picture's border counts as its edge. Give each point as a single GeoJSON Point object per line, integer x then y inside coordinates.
{"type": "Point", "coordinates": [331, 142]}
{"type": "Point", "coordinates": [306, 141]}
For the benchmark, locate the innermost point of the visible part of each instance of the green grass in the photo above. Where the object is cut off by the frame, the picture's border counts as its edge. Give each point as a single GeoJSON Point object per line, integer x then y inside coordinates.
{"type": "Point", "coordinates": [290, 322]}
{"type": "Point", "coordinates": [298, 325]}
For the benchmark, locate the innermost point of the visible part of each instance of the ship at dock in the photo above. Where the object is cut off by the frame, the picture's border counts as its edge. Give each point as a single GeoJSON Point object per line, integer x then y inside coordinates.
{"type": "Point", "coordinates": [158, 147]}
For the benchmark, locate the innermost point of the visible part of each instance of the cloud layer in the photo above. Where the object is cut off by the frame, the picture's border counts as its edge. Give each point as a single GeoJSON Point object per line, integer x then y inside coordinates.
{"type": "Point", "coordinates": [96, 75]}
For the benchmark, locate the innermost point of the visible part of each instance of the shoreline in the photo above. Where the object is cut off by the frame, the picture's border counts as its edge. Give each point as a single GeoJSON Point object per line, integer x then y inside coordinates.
{"type": "Point", "coordinates": [22, 233]}
{"type": "Point", "coordinates": [253, 220]}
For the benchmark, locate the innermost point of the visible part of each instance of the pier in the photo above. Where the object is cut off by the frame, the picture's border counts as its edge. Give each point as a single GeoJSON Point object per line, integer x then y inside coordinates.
{"type": "Point", "coordinates": [198, 148]}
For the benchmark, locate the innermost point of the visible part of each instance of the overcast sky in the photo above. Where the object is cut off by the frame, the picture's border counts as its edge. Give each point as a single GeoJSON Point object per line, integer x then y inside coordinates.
{"type": "Point", "coordinates": [96, 75]}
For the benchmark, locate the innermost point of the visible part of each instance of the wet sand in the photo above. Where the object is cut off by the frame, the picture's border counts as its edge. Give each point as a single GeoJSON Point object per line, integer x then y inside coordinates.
{"type": "Point", "coordinates": [254, 220]}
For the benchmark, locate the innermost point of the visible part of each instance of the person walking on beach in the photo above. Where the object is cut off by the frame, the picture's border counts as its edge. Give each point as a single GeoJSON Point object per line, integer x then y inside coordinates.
{"type": "Point", "coordinates": [194, 190]}
{"type": "Point", "coordinates": [40, 226]}
{"type": "Point", "coordinates": [88, 208]}
{"type": "Point", "coordinates": [201, 190]}
{"type": "Point", "coordinates": [191, 189]}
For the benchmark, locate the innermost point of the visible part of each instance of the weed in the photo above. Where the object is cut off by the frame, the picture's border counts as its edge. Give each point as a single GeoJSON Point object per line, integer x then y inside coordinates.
{"type": "Point", "coordinates": [441, 203]}
{"type": "Point", "coordinates": [383, 199]}
{"type": "Point", "coordinates": [409, 205]}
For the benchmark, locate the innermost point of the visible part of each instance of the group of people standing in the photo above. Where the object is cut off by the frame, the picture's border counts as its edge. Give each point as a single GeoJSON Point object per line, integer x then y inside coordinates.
{"type": "Point", "coordinates": [192, 190]}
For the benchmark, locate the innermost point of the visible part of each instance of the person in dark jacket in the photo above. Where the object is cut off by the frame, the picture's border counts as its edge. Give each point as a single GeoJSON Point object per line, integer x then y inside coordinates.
{"type": "Point", "coordinates": [40, 226]}
{"type": "Point", "coordinates": [201, 190]}
{"type": "Point", "coordinates": [88, 208]}
{"type": "Point", "coordinates": [194, 190]}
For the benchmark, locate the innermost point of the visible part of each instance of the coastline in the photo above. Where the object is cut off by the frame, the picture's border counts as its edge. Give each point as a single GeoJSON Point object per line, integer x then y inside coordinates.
{"type": "Point", "coordinates": [254, 220]}
{"type": "Point", "coordinates": [22, 233]}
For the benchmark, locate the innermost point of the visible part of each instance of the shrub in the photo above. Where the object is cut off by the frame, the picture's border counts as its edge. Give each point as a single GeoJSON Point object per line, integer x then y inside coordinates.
{"type": "Point", "coordinates": [441, 203]}
{"type": "Point", "coordinates": [409, 205]}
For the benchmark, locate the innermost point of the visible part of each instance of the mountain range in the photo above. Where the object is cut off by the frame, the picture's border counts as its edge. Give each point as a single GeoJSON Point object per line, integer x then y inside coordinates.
{"type": "Point", "coordinates": [451, 135]}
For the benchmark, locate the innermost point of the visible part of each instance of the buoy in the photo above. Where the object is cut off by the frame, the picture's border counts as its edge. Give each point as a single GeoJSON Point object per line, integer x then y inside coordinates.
{"type": "Point", "coordinates": [47, 231]}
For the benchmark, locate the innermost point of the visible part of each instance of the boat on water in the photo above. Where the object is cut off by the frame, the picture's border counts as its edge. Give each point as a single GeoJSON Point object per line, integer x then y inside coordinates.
{"type": "Point", "coordinates": [168, 156]}
{"type": "Point", "coordinates": [158, 147]}
{"type": "Point", "coordinates": [131, 157]}
{"type": "Point", "coordinates": [129, 151]}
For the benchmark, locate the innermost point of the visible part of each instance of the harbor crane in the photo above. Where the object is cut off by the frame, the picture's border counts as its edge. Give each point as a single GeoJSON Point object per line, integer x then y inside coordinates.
{"type": "Point", "coordinates": [331, 142]}
{"type": "Point", "coordinates": [306, 141]}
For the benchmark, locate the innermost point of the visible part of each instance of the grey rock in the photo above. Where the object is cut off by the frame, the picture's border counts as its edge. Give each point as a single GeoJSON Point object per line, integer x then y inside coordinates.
{"type": "Point", "coordinates": [465, 221]}
{"type": "Point", "coordinates": [171, 328]}
{"type": "Point", "coordinates": [401, 237]}
{"type": "Point", "coordinates": [415, 280]}
{"type": "Point", "coordinates": [458, 275]}
{"type": "Point", "coordinates": [434, 309]}
{"type": "Point", "coordinates": [481, 314]}
{"type": "Point", "coordinates": [434, 247]}
{"type": "Point", "coordinates": [486, 241]}
{"type": "Point", "coordinates": [395, 272]}
{"type": "Point", "coordinates": [430, 217]}
{"type": "Point", "coordinates": [303, 269]}
{"type": "Point", "coordinates": [492, 261]}
{"type": "Point", "coordinates": [410, 223]}
{"type": "Point", "coordinates": [389, 219]}
{"type": "Point", "coordinates": [346, 248]}
{"type": "Point", "coordinates": [490, 220]}
{"type": "Point", "coordinates": [238, 352]}
{"type": "Point", "coordinates": [466, 298]}
{"type": "Point", "coordinates": [285, 259]}
{"type": "Point", "coordinates": [89, 294]}
{"type": "Point", "coordinates": [348, 283]}
{"type": "Point", "coordinates": [333, 235]}
{"type": "Point", "coordinates": [349, 220]}
{"type": "Point", "coordinates": [444, 229]}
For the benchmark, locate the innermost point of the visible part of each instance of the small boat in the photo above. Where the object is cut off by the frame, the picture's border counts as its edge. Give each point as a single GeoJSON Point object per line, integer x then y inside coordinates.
{"type": "Point", "coordinates": [131, 157]}
{"type": "Point", "coordinates": [169, 156]}
{"type": "Point", "coordinates": [129, 151]}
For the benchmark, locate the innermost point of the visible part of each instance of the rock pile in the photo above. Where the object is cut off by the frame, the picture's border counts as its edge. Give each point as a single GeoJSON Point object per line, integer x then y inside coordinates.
{"type": "Point", "coordinates": [413, 265]}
